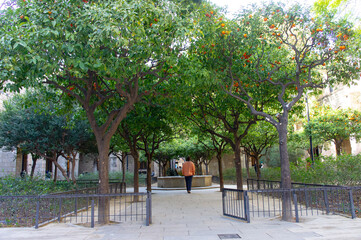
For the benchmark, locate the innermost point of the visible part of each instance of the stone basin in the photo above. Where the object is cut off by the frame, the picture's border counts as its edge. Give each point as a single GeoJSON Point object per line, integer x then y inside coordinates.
{"type": "Point", "coordinates": [179, 182]}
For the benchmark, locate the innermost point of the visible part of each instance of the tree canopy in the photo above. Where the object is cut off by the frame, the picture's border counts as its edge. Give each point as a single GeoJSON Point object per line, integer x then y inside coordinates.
{"type": "Point", "coordinates": [335, 125]}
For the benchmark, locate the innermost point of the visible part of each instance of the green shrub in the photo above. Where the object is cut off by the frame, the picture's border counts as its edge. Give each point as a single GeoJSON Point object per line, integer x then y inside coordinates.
{"type": "Point", "coordinates": [11, 185]}
{"type": "Point", "coordinates": [343, 170]}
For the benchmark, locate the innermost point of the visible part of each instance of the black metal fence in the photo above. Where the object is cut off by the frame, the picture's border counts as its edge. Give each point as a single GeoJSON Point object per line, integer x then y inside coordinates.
{"type": "Point", "coordinates": [305, 200]}
{"type": "Point", "coordinates": [77, 207]}
{"type": "Point", "coordinates": [81, 184]}
{"type": "Point", "coordinates": [255, 184]}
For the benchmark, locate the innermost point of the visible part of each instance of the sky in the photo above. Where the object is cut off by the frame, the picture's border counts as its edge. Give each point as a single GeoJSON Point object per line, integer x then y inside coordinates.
{"type": "Point", "coordinates": [234, 5]}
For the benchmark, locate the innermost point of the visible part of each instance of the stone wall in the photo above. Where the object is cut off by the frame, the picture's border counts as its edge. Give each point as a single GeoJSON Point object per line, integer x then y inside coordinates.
{"type": "Point", "coordinates": [227, 162]}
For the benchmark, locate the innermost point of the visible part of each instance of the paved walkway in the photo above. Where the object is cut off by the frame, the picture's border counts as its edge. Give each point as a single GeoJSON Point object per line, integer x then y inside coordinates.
{"type": "Point", "coordinates": [197, 216]}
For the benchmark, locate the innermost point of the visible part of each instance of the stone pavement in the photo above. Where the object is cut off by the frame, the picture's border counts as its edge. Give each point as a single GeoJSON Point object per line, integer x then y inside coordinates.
{"type": "Point", "coordinates": [197, 216]}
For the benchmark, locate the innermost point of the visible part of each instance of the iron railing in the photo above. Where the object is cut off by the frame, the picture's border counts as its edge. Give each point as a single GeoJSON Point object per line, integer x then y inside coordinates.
{"type": "Point", "coordinates": [302, 201]}
{"type": "Point", "coordinates": [255, 184]}
{"type": "Point", "coordinates": [94, 183]}
{"type": "Point", "coordinates": [78, 207]}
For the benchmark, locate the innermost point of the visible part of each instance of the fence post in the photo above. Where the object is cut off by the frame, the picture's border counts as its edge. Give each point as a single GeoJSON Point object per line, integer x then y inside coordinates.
{"type": "Point", "coordinates": [92, 215]}
{"type": "Point", "coordinates": [352, 206]}
{"type": "Point", "coordinates": [246, 207]}
{"type": "Point", "coordinates": [306, 199]}
{"type": "Point", "coordinates": [223, 200]}
{"type": "Point", "coordinates": [148, 220]}
{"type": "Point", "coordinates": [76, 206]}
{"type": "Point", "coordinates": [326, 201]}
{"type": "Point", "coordinates": [37, 213]}
{"type": "Point", "coordinates": [296, 206]}
{"type": "Point", "coordinates": [60, 206]}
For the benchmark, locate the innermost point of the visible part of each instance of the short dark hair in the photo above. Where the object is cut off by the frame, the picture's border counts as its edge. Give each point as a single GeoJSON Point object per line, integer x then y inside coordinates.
{"type": "Point", "coordinates": [188, 158]}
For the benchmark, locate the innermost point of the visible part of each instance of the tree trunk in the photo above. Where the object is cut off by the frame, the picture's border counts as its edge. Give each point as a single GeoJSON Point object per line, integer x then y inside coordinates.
{"type": "Point", "coordinates": [198, 168]}
{"type": "Point", "coordinates": [123, 166]}
{"type": "Point", "coordinates": [57, 166]}
{"type": "Point", "coordinates": [73, 167]}
{"type": "Point", "coordinates": [220, 172]}
{"type": "Point", "coordinates": [164, 166]}
{"type": "Point", "coordinates": [33, 167]}
{"type": "Point", "coordinates": [103, 166]}
{"type": "Point", "coordinates": [149, 174]}
{"type": "Point", "coordinates": [338, 145]}
{"type": "Point", "coordinates": [123, 188]}
{"type": "Point", "coordinates": [258, 170]}
{"type": "Point", "coordinates": [207, 168]}
{"type": "Point", "coordinates": [56, 170]}
{"type": "Point", "coordinates": [238, 165]}
{"type": "Point", "coordinates": [136, 173]}
{"type": "Point", "coordinates": [285, 170]}
{"type": "Point", "coordinates": [247, 165]}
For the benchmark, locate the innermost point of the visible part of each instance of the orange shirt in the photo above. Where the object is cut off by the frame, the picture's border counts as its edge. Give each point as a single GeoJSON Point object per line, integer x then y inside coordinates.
{"type": "Point", "coordinates": [188, 169]}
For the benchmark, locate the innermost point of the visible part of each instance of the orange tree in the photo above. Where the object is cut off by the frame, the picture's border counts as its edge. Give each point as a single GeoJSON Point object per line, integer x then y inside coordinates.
{"type": "Point", "coordinates": [334, 125]}
{"type": "Point", "coordinates": [274, 54]}
{"type": "Point", "coordinates": [212, 112]}
{"type": "Point", "coordinates": [259, 139]}
{"type": "Point", "coordinates": [102, 54]}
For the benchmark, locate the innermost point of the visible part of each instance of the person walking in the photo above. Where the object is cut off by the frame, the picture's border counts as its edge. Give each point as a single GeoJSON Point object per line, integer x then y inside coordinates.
{"type": "Point", "coordinates": [188, 170]}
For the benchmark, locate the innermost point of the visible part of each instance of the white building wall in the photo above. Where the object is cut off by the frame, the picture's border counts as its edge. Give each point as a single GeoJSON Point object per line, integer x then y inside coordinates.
{"type": "Point", "coordinates": [7, 162]}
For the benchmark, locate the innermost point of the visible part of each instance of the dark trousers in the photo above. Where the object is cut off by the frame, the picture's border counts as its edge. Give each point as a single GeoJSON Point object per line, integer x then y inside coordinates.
{"type": "Point", "coordinates": [188, 182]}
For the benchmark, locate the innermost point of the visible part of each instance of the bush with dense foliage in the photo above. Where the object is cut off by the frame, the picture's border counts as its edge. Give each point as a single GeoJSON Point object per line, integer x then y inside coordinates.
{"type": "Point", "coordinates": [11, 185]}
{"type": "Point", "coordinates": [343, 170]}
